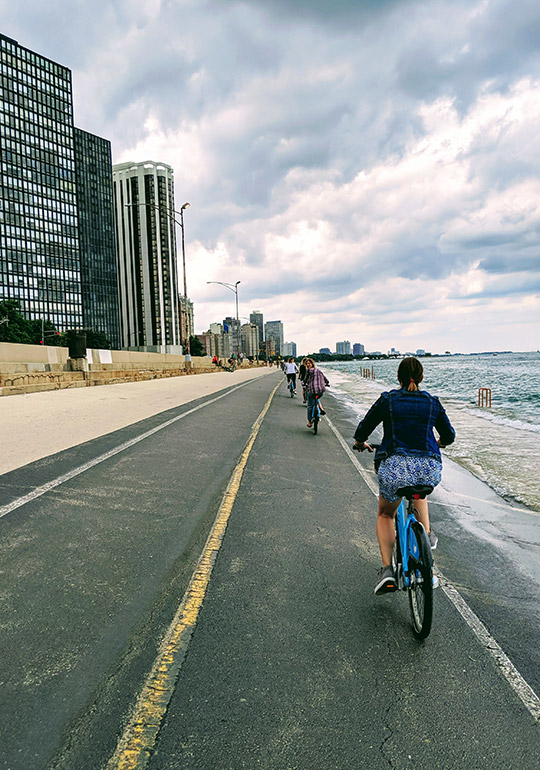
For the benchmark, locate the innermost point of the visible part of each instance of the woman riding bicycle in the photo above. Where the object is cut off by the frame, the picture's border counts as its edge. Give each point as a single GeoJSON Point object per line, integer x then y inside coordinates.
{"type": "Point", "coordinates": [408, 455]}
{"type": "Point", "coordinates": [316, 384]}
{"type": "Point", "coordinates": [291, 370]}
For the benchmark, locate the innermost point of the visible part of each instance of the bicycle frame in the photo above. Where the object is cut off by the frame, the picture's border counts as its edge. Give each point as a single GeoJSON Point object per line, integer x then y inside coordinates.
{"type": "Point", "coordinates": [407, 544]}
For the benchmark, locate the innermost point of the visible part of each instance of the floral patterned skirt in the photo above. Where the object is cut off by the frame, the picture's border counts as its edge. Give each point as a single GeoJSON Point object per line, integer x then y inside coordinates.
{"type": "Point", "coordinates": [399, 471]}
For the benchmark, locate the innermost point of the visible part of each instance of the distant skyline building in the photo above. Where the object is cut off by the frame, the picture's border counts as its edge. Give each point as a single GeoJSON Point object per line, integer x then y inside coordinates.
{"type": "Point", "coordinates": [40, 261]}
{"type": "Point", "coordinates": [343, 348]}
{"type": "Point", "coordinates": [232, 326]}
{"type": "Point", "coordinates": [358, 349]}
{"type": "Point", "coordinates": [187, 325]}
{"type": "Point", "coordinates": [147, 255]}
{"type": "Point", "coordinates": [325, 350]}
{"type": "Point", "coordinates": [250, 340]}
{"type": "Point", "coordinates": [99, 281]}
{"type": "Point", "coordinates": [256, 317]}
{"type": "Point", "coordinates": [289, 349]}
{"type": "Point", "coordinates": [273, 331]}
{"type": "Point", "coordinates": [219, 343]}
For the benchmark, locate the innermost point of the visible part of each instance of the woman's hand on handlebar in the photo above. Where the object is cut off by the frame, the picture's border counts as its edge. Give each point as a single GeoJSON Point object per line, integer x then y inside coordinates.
{"type": "Point", "coordinates": [361, 446]}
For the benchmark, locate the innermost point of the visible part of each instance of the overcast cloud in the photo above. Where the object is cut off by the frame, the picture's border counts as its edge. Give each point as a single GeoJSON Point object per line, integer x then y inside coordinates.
{"type": "Point", "coordinates": [369, 171]}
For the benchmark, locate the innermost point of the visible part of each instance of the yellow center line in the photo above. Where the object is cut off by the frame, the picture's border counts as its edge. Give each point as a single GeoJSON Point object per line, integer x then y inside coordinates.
{"type": "Point", "coordinates": [138, 739]}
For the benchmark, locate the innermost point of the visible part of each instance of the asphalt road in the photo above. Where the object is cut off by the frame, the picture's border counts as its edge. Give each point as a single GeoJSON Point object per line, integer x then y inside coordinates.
{"type": "Point", "coordinates": [294, 663]}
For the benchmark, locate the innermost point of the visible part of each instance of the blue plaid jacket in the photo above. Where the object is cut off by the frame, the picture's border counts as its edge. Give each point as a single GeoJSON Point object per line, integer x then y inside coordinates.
{"type": "Point", "coordinates": [408, 419]}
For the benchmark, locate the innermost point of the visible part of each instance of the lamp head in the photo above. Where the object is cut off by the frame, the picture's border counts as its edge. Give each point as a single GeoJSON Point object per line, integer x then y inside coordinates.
{"type": "Point", "coordinates": [185, 206]}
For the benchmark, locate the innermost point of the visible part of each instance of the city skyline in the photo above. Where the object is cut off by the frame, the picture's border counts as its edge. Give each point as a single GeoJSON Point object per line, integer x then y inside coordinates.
{"type": "Point", "coordinates": [366, 168]}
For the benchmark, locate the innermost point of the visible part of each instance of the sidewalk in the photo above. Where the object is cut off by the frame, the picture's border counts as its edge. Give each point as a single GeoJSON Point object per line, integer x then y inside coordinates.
{"type": "Point", "coordinates": [37, 425]}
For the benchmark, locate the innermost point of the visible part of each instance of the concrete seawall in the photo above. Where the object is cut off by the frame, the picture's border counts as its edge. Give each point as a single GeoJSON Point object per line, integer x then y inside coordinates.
{"type": "Point", "coordinates": [34, 368]}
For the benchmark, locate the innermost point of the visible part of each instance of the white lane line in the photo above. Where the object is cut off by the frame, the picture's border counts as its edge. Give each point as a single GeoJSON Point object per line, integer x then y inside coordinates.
{"type": "Point", "coordinates": [520, 686]}
{"type": "Point", "coordinates": [38, 491]}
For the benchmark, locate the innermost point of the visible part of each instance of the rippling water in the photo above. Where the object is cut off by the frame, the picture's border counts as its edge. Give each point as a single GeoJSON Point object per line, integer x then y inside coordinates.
{"type": "Point", "coordinates": [500, 445]}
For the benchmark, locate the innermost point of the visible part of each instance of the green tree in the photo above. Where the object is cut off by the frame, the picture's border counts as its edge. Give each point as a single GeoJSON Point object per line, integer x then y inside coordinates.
{"type": "Point", "coordinates": [97, 340]}
{"type": "Point", "coordinates": [14, 327]}
{"type": "Point", "coordinates": [196, 347]}
{"type": "Point", "coordinates": [94, 339]}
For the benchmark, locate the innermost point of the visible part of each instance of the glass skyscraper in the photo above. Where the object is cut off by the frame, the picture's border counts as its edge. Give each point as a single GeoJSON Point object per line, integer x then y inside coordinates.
{"type": "Point", "coordinates": [57, 248]}
{"type": "Point", "coordinates": [99, 285]}
{"type": "Point", "coordinates": [39, 238]}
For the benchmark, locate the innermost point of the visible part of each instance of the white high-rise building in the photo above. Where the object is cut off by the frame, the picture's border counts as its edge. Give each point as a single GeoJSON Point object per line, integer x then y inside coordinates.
{"type": "Point", "coordinates": [147, 256]}
{"type": "Point", "coordinates": [288, 349]}
{"type": "Point", "coordinates": [343, 348]}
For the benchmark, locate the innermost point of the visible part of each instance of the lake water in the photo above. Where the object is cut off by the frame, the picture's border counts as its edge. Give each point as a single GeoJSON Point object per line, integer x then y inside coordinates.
{"type": "Point", "coordinates": [501, 444]}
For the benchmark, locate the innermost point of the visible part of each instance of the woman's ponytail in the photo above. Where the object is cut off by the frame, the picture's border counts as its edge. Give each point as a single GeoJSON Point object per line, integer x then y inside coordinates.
{"type": "Point", "coordinates": [410, 373]}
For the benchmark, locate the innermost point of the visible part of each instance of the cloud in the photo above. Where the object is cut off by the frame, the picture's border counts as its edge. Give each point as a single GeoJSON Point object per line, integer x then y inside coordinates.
{"type": "Point", "coordinates": [366, 166]}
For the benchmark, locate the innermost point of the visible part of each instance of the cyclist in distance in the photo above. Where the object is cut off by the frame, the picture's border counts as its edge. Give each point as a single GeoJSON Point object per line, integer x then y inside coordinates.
{"type": "Point", "coordinates": [302, 376]}
{"type": "Point", "coordinates": [316, 384]}
{"type": "Point", "coordinates": [409, 454]}
{"type": "Point", "coordinates": [291, 370]}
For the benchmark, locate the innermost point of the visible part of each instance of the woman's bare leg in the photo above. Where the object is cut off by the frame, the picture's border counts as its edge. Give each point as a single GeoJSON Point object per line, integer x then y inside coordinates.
{"type": "Point", "coordinates": [385, 529]}
{"type": "Point", "coordinates": [422, 512]}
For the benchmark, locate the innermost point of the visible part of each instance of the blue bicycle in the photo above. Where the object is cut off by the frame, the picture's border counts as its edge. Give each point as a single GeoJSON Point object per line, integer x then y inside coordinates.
{"type": "Point", "coordinates": [412, 560]}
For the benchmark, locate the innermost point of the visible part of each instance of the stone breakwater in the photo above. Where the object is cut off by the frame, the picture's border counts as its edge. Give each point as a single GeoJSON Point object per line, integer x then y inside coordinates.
{"type": "Point", "coordinates": [34, 368]}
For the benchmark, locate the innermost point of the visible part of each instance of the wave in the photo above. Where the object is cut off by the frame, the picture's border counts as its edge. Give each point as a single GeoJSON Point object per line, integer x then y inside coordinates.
{"type": "Point", "coordinates": [499, 419]}
{"type": "Point", "coordinates": [500, 450]}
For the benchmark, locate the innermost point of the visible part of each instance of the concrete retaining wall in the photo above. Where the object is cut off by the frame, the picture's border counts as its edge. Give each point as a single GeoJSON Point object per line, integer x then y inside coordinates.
{"type": "Point", "coordinates": [31, 368]}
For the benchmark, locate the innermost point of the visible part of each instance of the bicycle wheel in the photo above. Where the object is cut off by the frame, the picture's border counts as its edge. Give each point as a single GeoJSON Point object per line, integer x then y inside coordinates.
{"type": "Point", "coordinates": [315, 423]}
{"type": "Point", "coordinates": [421, 581]}
{"type": "Point", "coordinates": [291, 389]}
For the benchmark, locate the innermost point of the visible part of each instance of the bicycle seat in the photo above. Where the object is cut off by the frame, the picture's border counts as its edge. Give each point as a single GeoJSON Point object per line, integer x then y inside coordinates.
{"type": "Point", "coordinates": [422, 490]}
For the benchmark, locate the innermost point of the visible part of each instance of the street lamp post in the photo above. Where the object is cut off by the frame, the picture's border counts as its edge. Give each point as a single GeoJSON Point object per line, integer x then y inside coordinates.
{"type": "Point", "coordinates": [234, 288]}
{"type": "Point", "coordinates": [185, 342]}
{"type": "Point", "coordinates": [188, 351]}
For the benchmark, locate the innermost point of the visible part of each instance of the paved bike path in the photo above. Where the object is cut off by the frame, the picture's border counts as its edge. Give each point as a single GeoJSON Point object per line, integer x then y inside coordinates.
{"type": "Point", "coordinates": [92, 572]}
{"type": "Point", "coordinates": [296, 664]}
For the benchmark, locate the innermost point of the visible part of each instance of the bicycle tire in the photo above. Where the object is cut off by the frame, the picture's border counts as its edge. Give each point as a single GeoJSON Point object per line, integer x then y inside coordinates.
{"type": "Point", "coordinates": [420, 589]}
{"type": "Point", "coordinates": [315, 424]}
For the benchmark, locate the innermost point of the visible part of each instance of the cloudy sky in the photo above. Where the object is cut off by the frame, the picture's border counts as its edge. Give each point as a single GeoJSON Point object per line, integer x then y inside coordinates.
{"type": "Point", "coordinates": [368, 169]}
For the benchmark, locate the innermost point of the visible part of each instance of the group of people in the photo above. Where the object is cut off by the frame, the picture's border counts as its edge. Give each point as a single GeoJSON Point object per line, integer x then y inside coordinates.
{"type": "Point", "coordinates": [408, 455]}
{"type": "Point", "coordinates": [231, 363]}
{"type": "Point", "coordinates": [314, 384]}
